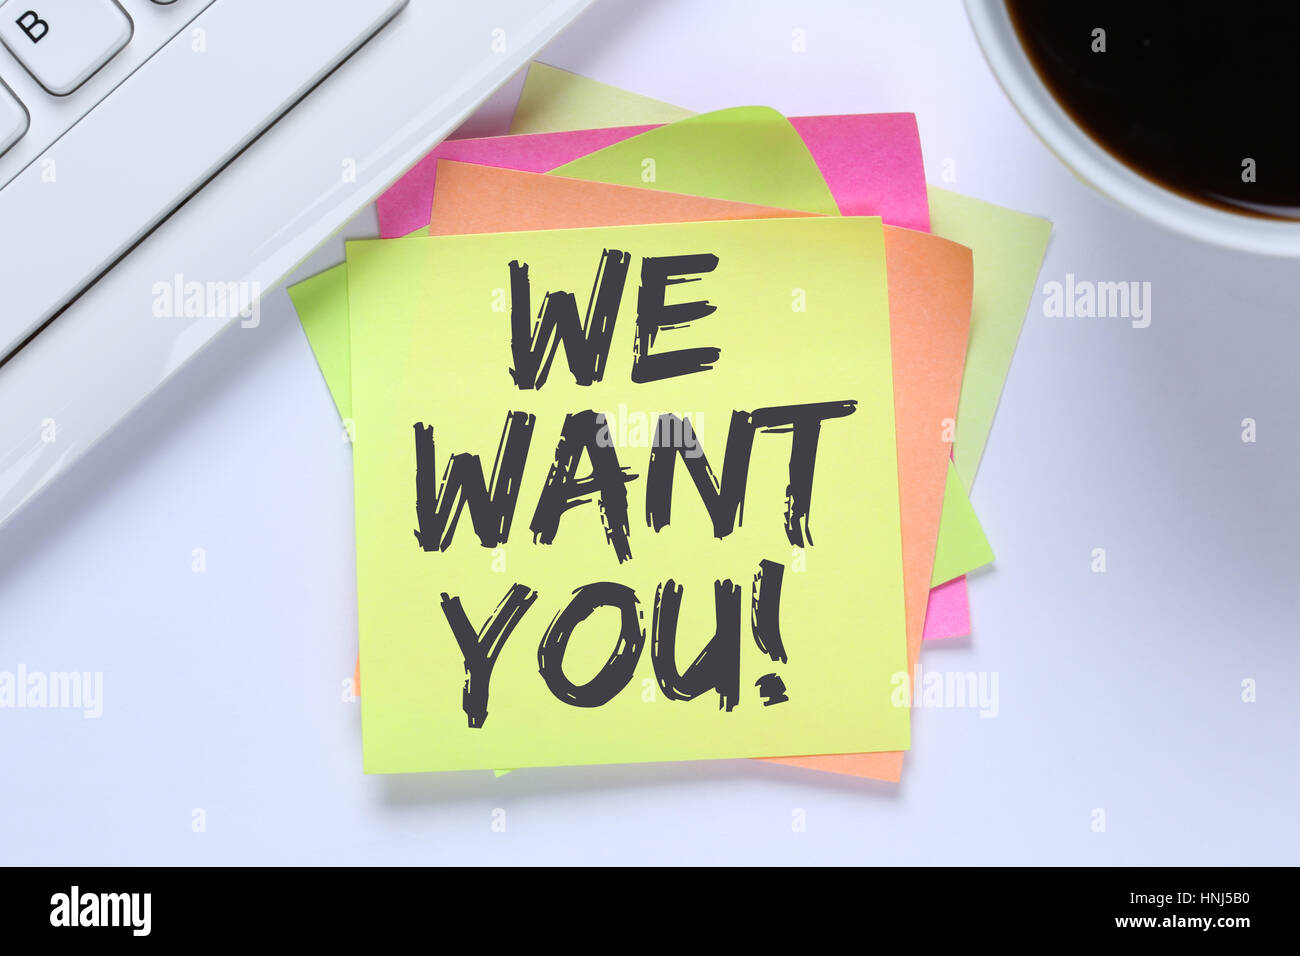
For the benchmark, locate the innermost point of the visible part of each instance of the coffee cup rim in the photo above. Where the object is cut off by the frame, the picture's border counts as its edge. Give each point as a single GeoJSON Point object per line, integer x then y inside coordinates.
{"type": "Point", "coordinates": [1094, 165]}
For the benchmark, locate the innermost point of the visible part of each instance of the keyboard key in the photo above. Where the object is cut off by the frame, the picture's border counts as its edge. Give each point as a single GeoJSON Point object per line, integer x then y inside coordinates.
{"type": "Point", "coordinates": [63, 43]}
{"type": "Point", "coordinates": [13, 119]}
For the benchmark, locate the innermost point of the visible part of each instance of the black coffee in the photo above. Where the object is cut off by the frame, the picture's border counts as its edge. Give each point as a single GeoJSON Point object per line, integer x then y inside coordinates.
{"type": "Point", "coordinates": [1202, 98]}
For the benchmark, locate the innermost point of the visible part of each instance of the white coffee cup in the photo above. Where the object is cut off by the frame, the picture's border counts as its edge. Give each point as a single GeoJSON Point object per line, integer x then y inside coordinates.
{"type": "Point", "coordinates": [1094, 165]}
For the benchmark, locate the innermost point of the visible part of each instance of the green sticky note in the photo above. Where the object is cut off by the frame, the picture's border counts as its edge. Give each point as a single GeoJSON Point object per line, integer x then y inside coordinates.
{"type": "Point", "coordinates": [554, 100]}
{"type": "Point", "coordinates": [435, 375]}
{"type": "Point", "coordinates": [749, 154]}
{"type": "Point", "coordinates": [322, 306]}
{"type": "Point", "coordinates": [964, 547]}
{"type": "Point", "coordinates": [1009, 247]}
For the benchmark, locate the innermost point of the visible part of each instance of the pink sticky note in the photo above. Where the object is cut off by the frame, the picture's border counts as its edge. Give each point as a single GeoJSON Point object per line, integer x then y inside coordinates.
{"type": "Point", "coordinates": [872, 164]}
{"type": "Point", "coordinates": [871, 161]}
{"type": "Point", "coordinates": [948, 614]}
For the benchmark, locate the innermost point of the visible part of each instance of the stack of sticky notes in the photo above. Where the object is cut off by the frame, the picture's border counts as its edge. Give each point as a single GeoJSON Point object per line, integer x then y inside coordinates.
{"type": "Point", "coordinates": [663, 427]}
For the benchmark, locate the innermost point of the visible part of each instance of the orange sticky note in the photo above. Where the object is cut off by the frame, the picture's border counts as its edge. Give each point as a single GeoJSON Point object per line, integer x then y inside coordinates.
{"type": "Point", "coordinates": [929, 301]}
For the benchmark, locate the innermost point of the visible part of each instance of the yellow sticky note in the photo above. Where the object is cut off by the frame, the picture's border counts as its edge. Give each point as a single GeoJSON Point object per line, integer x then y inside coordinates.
{"type": "Point", "coordinates": [635, 604]}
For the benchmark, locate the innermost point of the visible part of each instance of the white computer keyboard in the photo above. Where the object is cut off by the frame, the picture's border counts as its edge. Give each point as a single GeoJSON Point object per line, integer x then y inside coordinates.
{"type": "Point", "coordinates": [61, 57]}
{"type": "Point", "coordinates": [258, 193]}
{"type": "Point", "coordinates": [114, 112]}
{"type": "Point", "coordinates": [66, 42]}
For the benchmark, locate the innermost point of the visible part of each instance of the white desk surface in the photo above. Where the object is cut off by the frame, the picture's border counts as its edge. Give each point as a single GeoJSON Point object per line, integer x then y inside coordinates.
{"type": "Point", "coordinates": [1119, 691]}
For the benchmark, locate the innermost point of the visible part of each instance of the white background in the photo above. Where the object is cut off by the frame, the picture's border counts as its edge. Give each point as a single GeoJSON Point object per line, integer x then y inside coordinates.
{"type": "Point", "coordinates": [1119, 691]}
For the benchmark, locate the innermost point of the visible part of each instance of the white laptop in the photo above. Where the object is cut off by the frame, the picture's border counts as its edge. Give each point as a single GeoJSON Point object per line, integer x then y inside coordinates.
{"type": "Point", "coordinates": [153, 144]}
